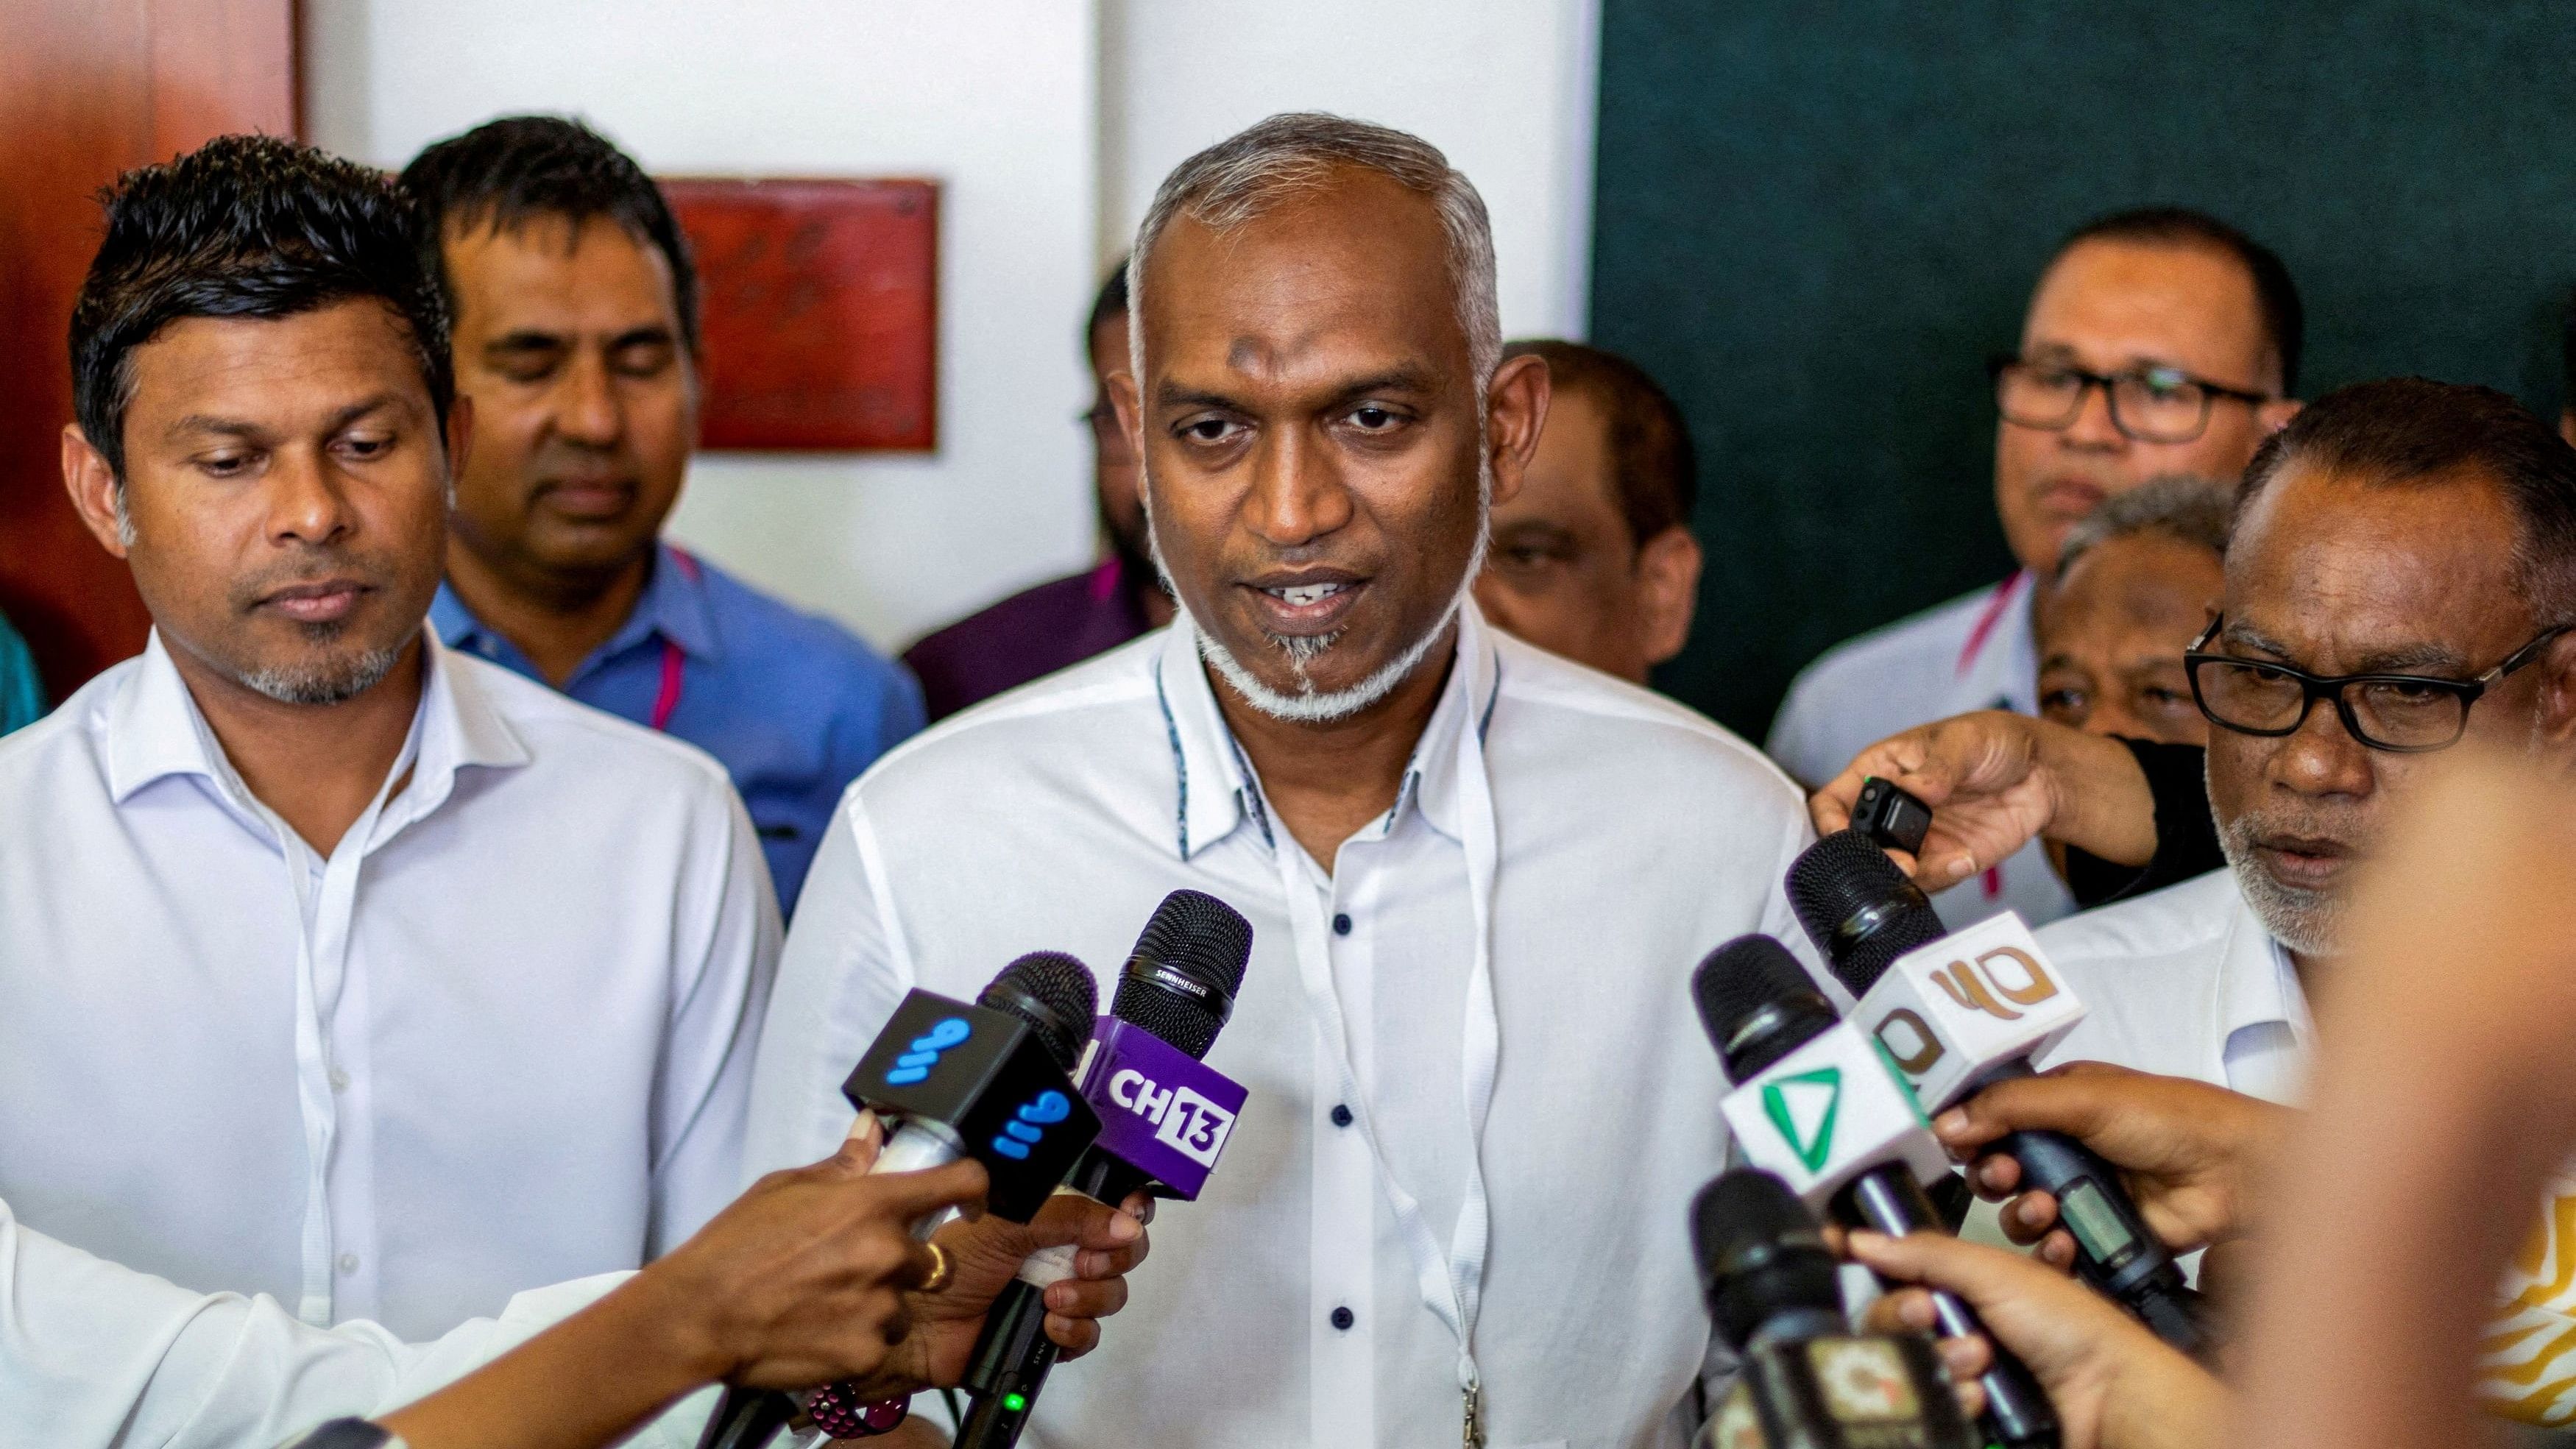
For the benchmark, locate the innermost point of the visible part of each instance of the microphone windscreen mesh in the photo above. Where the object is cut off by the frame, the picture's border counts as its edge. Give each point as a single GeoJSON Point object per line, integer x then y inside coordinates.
{"type": "Point", "coordinates": [1202, 939]}
{"type": "Point", "coordinates": [1846, 876]}
{"type": "Point", "coordinates": [1740, 978]}
{"type": "Point", "coordinates": [1742, 1210]}
{"type": "Point", "coordinates": [1054, 994]}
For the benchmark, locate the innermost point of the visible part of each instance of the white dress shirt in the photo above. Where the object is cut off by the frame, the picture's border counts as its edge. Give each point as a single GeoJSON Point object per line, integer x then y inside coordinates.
{"type": "Point", "coordinates": [2185, 982]}
{"type": "Point", "coordinates": [1601, 839]}
{"type": "Point", "coordinates": [1974, 652]}
{"type": "Point", "coordinates": [500, 1037]}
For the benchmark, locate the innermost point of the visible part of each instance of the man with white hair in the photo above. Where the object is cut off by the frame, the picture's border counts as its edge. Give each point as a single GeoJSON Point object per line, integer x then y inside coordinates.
{"type": "Point", "coordinates": [1478, 876]}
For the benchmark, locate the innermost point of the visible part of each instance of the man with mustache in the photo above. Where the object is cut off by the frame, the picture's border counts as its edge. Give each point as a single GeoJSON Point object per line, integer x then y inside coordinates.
{"type": "Point", "coordinates": [1478, 875]}
{"type": "Point", "coordinates": [576, 319]}
{"type": "Point", "coordinates": [2160, 341]}
{"type": "Point", "coordinates": [340, 966]}
{"type": "Point", "coordinates": [2401, 576]}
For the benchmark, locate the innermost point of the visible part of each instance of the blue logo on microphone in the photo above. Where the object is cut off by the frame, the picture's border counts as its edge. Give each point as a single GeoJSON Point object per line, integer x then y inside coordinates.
{"type": "Point", "coordinates": [915, 1064]}
{"type": "Point", "coordinates": [1028, 1125]}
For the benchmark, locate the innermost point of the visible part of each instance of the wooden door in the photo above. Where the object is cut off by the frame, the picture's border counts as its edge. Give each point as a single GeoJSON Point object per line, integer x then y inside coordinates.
{"type": "Point", "coordinates": [89, 88]}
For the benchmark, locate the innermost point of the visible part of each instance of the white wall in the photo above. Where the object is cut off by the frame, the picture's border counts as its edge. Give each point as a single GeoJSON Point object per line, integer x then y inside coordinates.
{"type": "Point", "coordinates": [1049, 122]}
{"type": "Point", "coordinates": [994, 98]}
{"type": "Point", "coordinates": [1505, 87]}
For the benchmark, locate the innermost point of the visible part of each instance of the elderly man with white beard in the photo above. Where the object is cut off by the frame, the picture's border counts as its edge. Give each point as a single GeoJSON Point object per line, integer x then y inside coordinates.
{"type": "Point", "coordinates": [1478, 876]}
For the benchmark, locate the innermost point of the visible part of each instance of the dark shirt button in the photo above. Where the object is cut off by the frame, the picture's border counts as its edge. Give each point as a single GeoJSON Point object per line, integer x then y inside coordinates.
{"type": "Point", "coordinates": [1341, 1115]}
{"type": "Point", "coordinates": [1341, 925]}
{"type": "Point", "coordinates": [1342, 1319]}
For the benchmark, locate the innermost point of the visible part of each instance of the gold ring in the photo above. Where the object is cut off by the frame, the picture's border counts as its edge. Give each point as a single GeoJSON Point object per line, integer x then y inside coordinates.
{"type": "Point", "coordinates": [941, 1270]}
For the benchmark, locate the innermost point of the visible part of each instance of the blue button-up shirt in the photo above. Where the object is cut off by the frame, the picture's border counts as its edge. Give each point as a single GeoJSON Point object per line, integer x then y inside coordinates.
{"type": "Point", "coordinates": [795, 706]}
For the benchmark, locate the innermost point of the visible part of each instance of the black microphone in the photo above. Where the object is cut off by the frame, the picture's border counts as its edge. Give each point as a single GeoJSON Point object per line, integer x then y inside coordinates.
{"type": "Point", "coordinates": [1808, 1382]}
{"type": "Point", "coordinates": [988, 1081]}
{"type": "Point", "coordinates": [1760, 1007]}
{"type": "Point", "coordinates": [1179, 984]}
{"type": "Point", "coordinates": [1864, 914]}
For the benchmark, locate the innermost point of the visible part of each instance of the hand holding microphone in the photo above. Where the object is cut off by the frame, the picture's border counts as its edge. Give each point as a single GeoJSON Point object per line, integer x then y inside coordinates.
{"type": "Point", "coordinates": [986, 1081]}
{"type": "Point", "coordinates": [1817, 1104]}
{"type": "Point", "coordinates": [803, 1278]}
{"type": "Point", "coordinates": [1995, 780]}
{"type": "Point", "coordinates": [1808, 1382]}
{"type": "Point", "coordinates": [1164, 1117]}
{"type": "Point", "coordinates": [1959, 1012]}
{"type": "Point", "coordinates": [2189, 1153]}
{"type": "Point", "coordinates": [2114, 1385]}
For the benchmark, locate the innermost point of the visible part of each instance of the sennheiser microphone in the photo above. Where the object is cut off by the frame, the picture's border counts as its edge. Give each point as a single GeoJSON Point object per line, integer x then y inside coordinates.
{"type": "Point", "coordinates": [1817, 1104]}
{"type": "Point", "coordinates": [1164, 1118]}
{"type": "Point", "coordinates": [988, 1081]}
{"type": "Point", "coordinates": [1927, 996]}
{"type": "Point", "coordinates": [1808, 1382]}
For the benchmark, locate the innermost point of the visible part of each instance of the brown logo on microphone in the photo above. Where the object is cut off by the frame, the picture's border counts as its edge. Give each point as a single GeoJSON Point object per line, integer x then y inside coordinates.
{"type": "Point", "coordinates": [1977, 986]}
{"type": "Point", "coordinates": [1916, 1059]}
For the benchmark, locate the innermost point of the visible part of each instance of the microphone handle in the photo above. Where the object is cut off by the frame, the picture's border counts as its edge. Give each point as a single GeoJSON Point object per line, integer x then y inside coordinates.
{"type": "Point", "coordinates": [749, 1418]}
{"type": "Point", "coordinates": [746, 1419]}
{"type": "Point", "coordinates": [2115, 1252]}
{"type": "Point", "coordinates": [1013, 1353]}
{"type": "Point", "coordinates": [2018, 1414]}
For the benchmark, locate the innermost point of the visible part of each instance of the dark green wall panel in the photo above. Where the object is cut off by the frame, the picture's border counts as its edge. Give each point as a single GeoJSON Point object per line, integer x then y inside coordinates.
{"type": "Point", "coordinates": [1814, 221]}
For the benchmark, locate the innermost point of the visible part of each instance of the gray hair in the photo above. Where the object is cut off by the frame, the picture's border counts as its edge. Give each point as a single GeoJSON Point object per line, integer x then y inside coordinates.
{"type": "Point", "coordinates": [2179, 505]}
{"type": "Point", "coordinates": [1295, 153]}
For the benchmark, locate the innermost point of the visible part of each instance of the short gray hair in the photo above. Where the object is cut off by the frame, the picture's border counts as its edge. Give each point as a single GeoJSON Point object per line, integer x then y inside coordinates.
{"type": "Point", "coordinates": [1295, 153]}
{"type": "Point", "coordinates": [2179, 506]}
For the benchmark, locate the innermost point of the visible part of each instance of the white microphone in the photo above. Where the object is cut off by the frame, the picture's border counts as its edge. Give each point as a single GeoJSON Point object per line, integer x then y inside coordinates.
{"type": "Point", "coordinates": [1828, 1112]}
{"type": "Point", "coordinates": [1951, 1012]}
{"type": "Point", "coordinates": [1819, 1105]}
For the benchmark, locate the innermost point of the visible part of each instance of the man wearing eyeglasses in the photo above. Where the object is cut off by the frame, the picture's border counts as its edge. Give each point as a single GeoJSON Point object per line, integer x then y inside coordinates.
{"type": "Point", "coordinates": [2402, 577]}
{"type": "Point", "coordinates": [2158, 342]}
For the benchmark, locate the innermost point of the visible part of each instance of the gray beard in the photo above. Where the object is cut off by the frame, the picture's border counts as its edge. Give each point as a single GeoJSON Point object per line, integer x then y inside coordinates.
{"type": "Point", "coordinates": [1307, 706]}
{"type": "Point", "coordinates": [335, 681]}
{"type": "Point", "coordinates": [2306, 922]}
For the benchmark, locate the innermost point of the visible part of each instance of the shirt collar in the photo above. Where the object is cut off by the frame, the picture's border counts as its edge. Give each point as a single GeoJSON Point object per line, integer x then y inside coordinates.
{"type": "Point", "coordinates": [2257, 985]}
{"type": "Point", "coordinates": [155, 730]}
{"type": "Point", "coordinates": [673, 606]}
{"type": "Point", "coordinates": [1218, 793]}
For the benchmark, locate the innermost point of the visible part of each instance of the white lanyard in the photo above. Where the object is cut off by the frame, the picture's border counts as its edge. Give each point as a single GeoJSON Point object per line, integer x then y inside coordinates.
{"type": "Point", "coordinates": [1451, 1282]}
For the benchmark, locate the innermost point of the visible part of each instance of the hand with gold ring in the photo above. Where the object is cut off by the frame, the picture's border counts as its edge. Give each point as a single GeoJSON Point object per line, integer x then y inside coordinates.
{"type": "Point", "coordinates": [941, 1269]}
{"type": "Point", "coordinates": [980, 1255]}
{"type": "Point", "coordinates": [806, 1279]}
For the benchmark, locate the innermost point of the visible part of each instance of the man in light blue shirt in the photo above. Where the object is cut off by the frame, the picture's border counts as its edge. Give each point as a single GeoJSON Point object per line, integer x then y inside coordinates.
{"type": "Point", "coordinates": [22, 693]}
{"type": "Point", "coordinates": [576, 336]}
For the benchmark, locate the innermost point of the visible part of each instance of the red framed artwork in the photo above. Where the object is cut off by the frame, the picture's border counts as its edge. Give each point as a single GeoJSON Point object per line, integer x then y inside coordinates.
{"type": "Point", "coordinates": [820, 311]}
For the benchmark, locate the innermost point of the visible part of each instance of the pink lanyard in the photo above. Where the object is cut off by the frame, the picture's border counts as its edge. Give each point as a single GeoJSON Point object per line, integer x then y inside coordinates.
{"type": "Point", "coordinates": [667, 698]}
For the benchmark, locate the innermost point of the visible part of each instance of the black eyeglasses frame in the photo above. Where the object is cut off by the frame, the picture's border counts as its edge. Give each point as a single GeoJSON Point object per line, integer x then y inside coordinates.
{"type": "Point", "coordinates": [2211, 392]}
{"type": "Point", "coordinates": [2314, 687]}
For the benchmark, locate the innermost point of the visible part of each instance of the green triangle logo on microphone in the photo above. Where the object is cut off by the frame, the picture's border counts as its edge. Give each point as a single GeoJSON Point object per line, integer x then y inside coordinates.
{"type": "Point", "coordinates": [1803, 1108]}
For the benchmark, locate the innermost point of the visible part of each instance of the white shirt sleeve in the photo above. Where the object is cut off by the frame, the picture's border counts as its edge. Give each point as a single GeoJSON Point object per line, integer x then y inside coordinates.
{"type": "Point", "coordinates": [98, 1356]}
{"type": "Point", "coordinates": [726, 956]}
{"type": "Point", "coordinates": [839, 979]}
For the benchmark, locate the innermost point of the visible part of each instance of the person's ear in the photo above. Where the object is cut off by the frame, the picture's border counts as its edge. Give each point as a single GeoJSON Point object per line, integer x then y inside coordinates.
{"type": "Point", "coordinates": [1515, 410]}
{"type": "Point", "coordinates": [1129, 405]}
{"type": "Point", "coordinates": [2275, 415]}
{"type": "Point", "coordinates": [1667, 591]}
{"type": "Point", "coordinates": [2567, 424]}
{"type": "Point", "coordinates": [92, 486]}
{"type": "Point", "coordinates": [459, 438]}
{"type": "Point", "coordinates": [2557, 701]}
